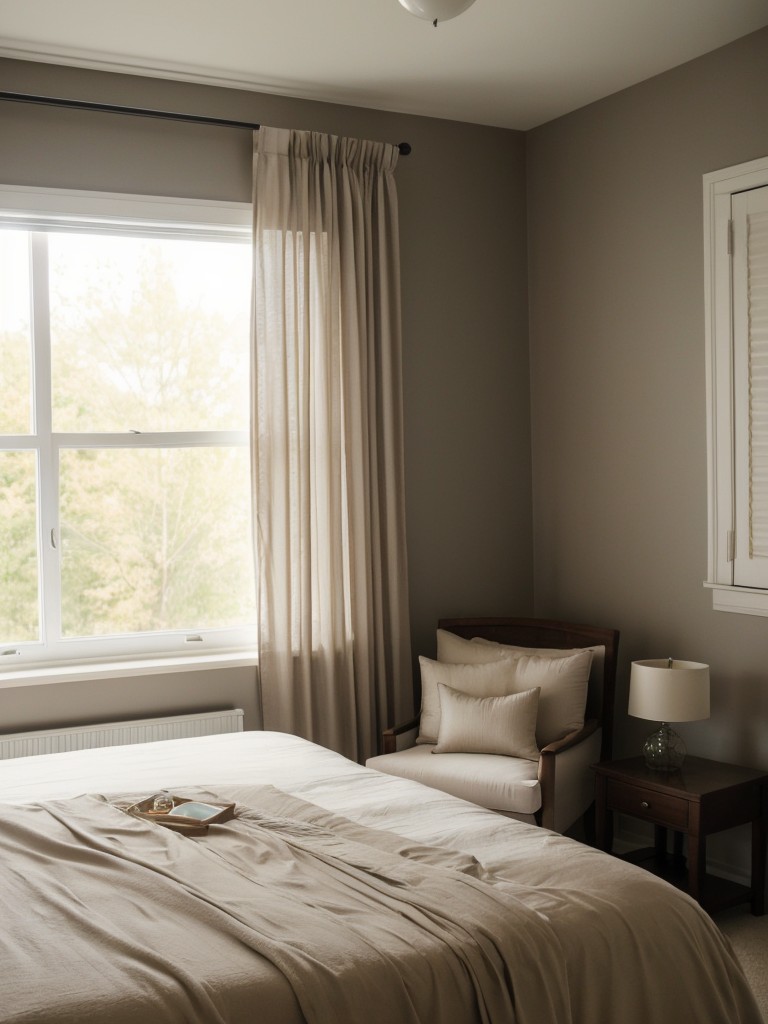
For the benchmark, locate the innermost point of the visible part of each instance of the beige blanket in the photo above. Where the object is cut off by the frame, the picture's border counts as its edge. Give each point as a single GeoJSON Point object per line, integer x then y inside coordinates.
{"type": "Point", "coordinates": [109, 917]}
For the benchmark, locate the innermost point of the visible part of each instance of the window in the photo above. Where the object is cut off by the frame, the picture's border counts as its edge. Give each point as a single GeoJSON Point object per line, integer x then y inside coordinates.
{"type": "Point", "coordinates": [736, 284]}
{"type": "Point", "coordinates": [124, 458]}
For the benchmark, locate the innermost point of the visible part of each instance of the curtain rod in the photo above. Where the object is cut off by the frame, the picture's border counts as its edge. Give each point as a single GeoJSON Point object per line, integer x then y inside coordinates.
{"type": "Point", "coordinates": [166, 115]}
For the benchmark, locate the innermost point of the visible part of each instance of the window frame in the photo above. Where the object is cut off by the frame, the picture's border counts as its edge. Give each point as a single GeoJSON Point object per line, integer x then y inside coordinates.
{"type": "Point", "coordinates": [40, 210]}
{"type": "Point", "coordinates": [722, 455]}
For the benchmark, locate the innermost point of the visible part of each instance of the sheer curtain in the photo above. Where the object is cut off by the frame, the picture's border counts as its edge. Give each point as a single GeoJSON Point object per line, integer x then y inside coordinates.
{"type": "Point", "coordinates": [329, 514]}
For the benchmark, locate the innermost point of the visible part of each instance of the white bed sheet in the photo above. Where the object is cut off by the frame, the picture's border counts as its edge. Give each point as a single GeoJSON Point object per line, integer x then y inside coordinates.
{"type": "Point", "coordinates": [632, 948]}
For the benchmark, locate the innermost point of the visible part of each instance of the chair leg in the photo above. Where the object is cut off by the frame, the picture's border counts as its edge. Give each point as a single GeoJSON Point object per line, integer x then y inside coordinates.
{"type": "Point", "coordinates": [588, 820]}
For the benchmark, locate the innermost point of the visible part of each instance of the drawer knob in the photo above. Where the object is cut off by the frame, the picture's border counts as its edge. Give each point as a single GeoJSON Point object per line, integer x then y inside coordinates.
{"type": "Point", "coordinates": [645, 805]}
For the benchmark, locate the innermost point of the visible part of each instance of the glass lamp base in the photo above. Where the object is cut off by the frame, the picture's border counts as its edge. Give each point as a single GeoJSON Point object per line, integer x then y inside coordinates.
{"type": "Point", "coordinates": [664, 750]}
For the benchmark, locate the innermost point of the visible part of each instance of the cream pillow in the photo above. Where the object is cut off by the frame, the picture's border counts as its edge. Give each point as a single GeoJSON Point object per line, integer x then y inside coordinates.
{"type": "Point", "coordinates": [479, 650]}
{"type": "Point", "coordinates": [563, 698]}
{"type": "Point", "coordinates": [488, 725]}
{"type": "Point", "coordinates": [494, 649]}
{"type": "Point", "coordinates": [562, 680]}
{"type": "Point", "coordinates": [495, 679]}
{"type": "Point", "coordinates": [458, 651]}
{"type": "Point", "coordinates": [505, 650]}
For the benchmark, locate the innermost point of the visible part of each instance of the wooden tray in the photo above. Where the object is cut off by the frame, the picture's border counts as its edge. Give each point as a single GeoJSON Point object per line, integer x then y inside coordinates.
{"type": "Point", "coordinates": [195, 825]}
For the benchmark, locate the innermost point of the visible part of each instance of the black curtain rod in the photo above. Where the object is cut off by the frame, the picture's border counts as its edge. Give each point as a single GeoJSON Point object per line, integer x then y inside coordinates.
{"type": "Point", "coordinates": [166, 115]}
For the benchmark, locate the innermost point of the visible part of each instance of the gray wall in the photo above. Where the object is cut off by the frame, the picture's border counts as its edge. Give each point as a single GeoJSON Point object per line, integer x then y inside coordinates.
{"type": "Point", "coordinates": [84, 702]}
{"type": "Point", "coordinates": [618, 380]}
{"type": "Point", "coordinates": [463, 242]}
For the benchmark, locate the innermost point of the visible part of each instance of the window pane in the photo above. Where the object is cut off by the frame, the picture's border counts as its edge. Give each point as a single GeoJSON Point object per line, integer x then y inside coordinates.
{"type": "Point", "coordinates": [19, 603]}
{"type": "Point", "coordinates": [155, 539]}
{"type": "Point", "coordinates": [15, 348]}
{"type": "Point", "coordinates": [149, 334]}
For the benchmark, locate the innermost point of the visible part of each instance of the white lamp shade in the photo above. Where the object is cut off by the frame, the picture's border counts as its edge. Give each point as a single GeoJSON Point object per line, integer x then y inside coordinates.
{"type": "Point", "coordinates": [669, 692]}
{"type": "Point", "coordinates": [436, 10]}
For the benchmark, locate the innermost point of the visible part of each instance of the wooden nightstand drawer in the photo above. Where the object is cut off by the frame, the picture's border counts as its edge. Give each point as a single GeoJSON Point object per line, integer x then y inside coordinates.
{"type": "Point", "coordinates": [659, 808]}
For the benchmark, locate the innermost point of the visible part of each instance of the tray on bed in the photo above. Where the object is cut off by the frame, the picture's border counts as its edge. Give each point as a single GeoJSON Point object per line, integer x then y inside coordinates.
{"type": "Point", "coordinates": [192, 817]}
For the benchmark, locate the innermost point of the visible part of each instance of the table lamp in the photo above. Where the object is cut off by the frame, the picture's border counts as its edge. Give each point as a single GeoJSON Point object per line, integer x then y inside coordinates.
{"type": "Point", "coordinates": [665, 691]}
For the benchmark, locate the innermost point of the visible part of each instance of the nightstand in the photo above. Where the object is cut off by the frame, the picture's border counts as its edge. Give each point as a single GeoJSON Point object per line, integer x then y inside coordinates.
{"type": "Point", "coordinates": [702, 798]}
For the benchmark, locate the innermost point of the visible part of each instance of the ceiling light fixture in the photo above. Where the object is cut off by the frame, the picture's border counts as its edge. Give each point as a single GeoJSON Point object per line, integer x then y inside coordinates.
{"type": "Point", "coordinates": [436, 10]}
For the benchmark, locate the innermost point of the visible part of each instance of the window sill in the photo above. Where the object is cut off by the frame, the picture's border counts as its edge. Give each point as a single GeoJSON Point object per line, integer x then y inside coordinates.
{"type": "Point", "coordinates": [745, 600]}
{"type": "Point", "coordinates": [42, 675]}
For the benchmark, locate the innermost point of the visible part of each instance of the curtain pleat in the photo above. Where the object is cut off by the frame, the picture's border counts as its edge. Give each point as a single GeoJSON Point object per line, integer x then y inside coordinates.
{"type": "Point", "coordinates": [329, 512]}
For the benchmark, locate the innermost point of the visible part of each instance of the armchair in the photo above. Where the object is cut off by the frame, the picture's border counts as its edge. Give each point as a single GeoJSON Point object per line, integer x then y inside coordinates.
{"type": "Point", "coordinates": [558, 788]}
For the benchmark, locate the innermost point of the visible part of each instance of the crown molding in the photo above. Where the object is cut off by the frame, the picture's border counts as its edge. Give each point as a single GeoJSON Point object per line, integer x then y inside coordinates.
{"type": "Point", "coordinates": [128, 65]}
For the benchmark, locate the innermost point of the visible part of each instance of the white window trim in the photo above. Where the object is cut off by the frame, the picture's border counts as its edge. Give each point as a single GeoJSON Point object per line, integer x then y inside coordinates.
{"type": "Point", "coordinates": [49, 209]}
{"type": "Point", "coordinates": [45, 674]}
{"type": "Point", "coordinates": [719, 186]}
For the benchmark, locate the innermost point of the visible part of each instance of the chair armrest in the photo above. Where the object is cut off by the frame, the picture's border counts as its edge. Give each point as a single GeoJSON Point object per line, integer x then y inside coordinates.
{"type": "Point", "coordinates": [577, 736]}
{"type": "Point", "coordinates": [548, 766]}
{"type": "Point", "coordinates": [389, 736]}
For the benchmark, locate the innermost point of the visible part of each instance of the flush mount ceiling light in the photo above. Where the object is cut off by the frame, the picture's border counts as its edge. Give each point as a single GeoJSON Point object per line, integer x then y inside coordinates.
{"type": "Point", "coordinates": [436, 10]}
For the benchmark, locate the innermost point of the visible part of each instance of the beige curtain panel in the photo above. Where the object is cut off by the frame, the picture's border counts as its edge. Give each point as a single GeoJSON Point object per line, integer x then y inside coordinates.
{"type": "Point", "coordinates": [329, 514]}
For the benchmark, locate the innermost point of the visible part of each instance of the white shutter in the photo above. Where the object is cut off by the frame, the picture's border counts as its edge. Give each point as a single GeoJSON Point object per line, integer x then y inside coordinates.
{"type": "Point", "coordinates": [750, 326]}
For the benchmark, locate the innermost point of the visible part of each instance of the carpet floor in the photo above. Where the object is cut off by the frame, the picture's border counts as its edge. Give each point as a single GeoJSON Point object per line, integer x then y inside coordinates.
{"type": "Point", "coordinates": [749, 938]}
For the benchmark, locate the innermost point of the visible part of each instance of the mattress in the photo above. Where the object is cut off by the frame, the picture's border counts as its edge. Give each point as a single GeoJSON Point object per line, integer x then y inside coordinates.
{"type": "Point", "coordinates": [336, 894]}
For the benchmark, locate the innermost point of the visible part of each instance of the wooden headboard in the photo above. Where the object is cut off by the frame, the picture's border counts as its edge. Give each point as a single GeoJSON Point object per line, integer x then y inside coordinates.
{"type": "Point", "coordinates": [548, 633]}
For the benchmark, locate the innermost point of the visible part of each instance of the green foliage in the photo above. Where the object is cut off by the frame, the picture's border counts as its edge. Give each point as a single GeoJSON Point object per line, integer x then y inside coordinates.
{"type": "Point", "coordinates": [19, 616]}
{"type": "Point", "coordinates": [139, 355]}
{"type": "Point", "coordinates": [152, 538]}
{"type": "Point", "coordinates": [14, 382]}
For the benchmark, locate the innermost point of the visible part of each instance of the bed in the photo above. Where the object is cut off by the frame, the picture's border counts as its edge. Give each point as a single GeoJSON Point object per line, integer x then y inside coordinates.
{"type": "Point", "coordinates": [337, 894]}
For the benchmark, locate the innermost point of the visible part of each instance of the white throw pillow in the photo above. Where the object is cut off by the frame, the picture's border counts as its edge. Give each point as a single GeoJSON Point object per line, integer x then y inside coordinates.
{"type": "Point", "coordinates": [457, 651]}
{"type": "Point", "coordinates": [504, 650]}
{"type": "Point", "coordinates": [562, 680]}
{"type": "Point", "coordinates": [563, 699]}
{"type": "Point", "coordinates": [495, 679]}
{"type": "Point", "coordinates": [479, 651]}
{"type": "Point", "coordinates": [488, 725]}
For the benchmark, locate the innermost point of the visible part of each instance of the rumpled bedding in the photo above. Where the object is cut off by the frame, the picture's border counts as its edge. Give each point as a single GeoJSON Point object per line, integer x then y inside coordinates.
{"type": "Point", "coordinates": [410, 907]}
{"type": "Point", "coordinates": [357, 927]}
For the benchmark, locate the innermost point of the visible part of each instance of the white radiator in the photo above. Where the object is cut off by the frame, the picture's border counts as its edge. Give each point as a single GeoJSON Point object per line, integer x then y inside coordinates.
{"type": "Point", "coordinates": [113, 734]}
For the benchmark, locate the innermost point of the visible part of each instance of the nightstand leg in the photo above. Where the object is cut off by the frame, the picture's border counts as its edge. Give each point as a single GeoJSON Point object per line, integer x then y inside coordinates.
{"type": "Point", "coordinates": [757, 903]}
{"type": "Point", "coordinates": [697, 864]}
{"type": "Point", "coordinates": [660, 842]}
{"type": "Point", "coordinates": [603, 818]}
{"type": "Point", "coordinates": [677, 847]}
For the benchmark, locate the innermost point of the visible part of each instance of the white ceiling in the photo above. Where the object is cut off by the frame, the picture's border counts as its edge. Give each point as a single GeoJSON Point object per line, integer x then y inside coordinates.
{"type": "Point", "coordinates": [511, 63]}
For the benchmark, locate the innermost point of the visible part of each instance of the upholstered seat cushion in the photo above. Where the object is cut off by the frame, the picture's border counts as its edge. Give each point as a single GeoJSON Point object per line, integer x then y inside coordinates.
{"type": "Point", "coordinates": [501, 783]}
